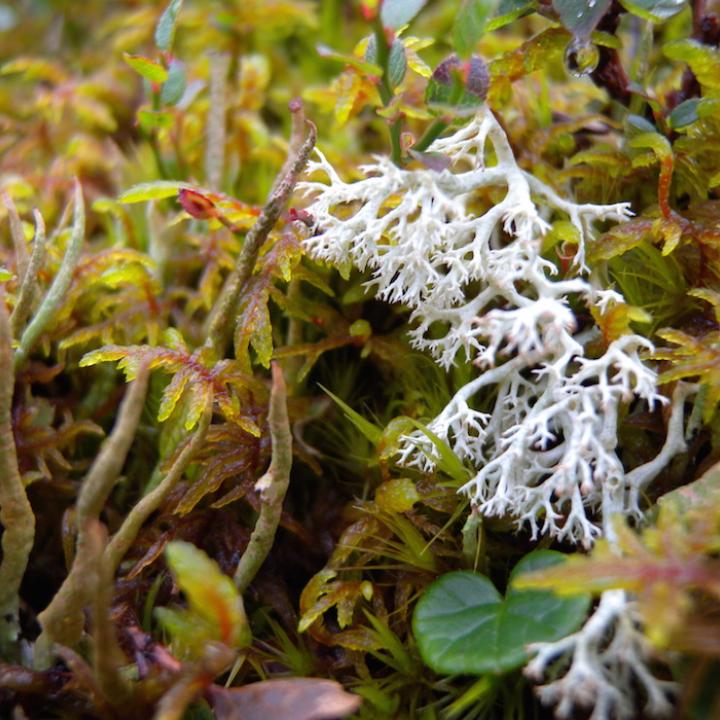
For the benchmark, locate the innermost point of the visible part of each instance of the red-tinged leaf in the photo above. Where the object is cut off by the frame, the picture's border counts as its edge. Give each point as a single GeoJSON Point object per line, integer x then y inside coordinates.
{"type": "Point", "coordinates": [696, 496]}
{"type": "Point", "coordinates": [254, 326]}
{"type": "Point", "coordinates": [206, 381]}
{"type": "Point", "coordinates": [229, 453]}
{"type": "Point", "coordinates": [172, 394]}
{"type": "Point", "coordinates": [200, 395]}
{"type": "Point", "coordinates": [539, 52]}
{"type": "Point", "coordinates": [147, 68]}
{"type": "Point", "coordinates": [211, 478]}
{"type": "Point", "coordinates": [615, 322]}
{"type": "Point", "coordinates": [620, 239]}
{"type": "Point", "coordinates": [197, 204]}
{"type": "Point", "coordinates": [296, 698]}
{"type": "Point", "coordinates": [211, 595]}
{"type": "Point", "coordinates": [321, 595]}
{"type": "Point", "coordinates": [228, 406]}
{"type": "Point", "coordinates": [694, 358]}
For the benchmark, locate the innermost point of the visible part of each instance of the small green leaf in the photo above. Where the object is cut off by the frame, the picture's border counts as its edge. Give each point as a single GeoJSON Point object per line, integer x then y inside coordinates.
{"type": "Point", "coordinates": [156, 190]}
{"type": "Point", "coordinates": [561, 231]}
{"type": "Point", "coordinates": [654, 141]}
{"type": "Point", "coordinates": [174, 87]}
{"type": "Point", "coordinates": [686, 113]}
{"type": "Point", "coordinates": [369, 430]}
{"type": "Point", "coordinates": [446, 459]}
{"type": "Point", "coordinates": [5, 274]}
{"type": "Point", "coordinates": [154, 119]}
{"type": "Point", "coordinates": [149, 69]}
{"type": "Point", "coordinates": [211, 595]}
{"type": "Point", "coordinates": [470, 22]}
{"type": "Point", "coordinates": [397, 495]}
{"type": "Point", "coordinates": [638, 124]}
{"type": "Point", "coordinates": [463, 625]}
{"type": "Point", "coordinates": [397, 63]}
{"type": "Point", "coordinates": [165, 30]}
{"type": "Point", "coordinates": [709, 108]}
{"type": "Point", "coordinates": [458, 87]}
{"type": "Point", "coordinates": [579, 16]}
{"type": "Point", "coordinates": [703, 60]}
{"type": "Point", "coordinates": [368, 65]}
{"type": "Point", "coordinates": [654, 10]}
{"type": "Point", "coordinates": [396, 13]}
{"type": "Point", "coordinates": [509, 11]}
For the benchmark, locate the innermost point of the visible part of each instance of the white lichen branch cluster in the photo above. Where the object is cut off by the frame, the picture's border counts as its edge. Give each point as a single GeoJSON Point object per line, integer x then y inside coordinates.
{"type": "Point", "coordinates": [609, 659]}
{"type": "Point", "coordinates": [605, 663]}
{"type": "Point", "coordinates": [461, 248]}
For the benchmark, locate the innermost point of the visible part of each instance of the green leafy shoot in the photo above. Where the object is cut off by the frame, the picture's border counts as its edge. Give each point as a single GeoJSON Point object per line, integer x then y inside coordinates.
{"type": "Point", "coordinates": [215, 611]}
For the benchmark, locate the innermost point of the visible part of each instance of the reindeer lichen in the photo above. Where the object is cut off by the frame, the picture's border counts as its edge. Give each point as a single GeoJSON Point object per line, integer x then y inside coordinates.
{"type": "Point", "coordinates": [480, 290]}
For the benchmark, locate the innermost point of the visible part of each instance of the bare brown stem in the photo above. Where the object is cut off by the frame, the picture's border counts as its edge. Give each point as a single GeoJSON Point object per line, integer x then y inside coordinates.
{"type": "Point", "coordinates": [16, 515]}
{"type": "Point", "coordinates": [18, 236]}
{"type": "Point", "coordinates": [62, 620]}
{"type": "Point", "coordinates": [215, 132]}
{"type": "Point", "coordinates": [126, 534]}
{"type": "Point", "coordinates": [272, 485]}
{"type": "Point", "coordinates": [108, 658]}
{"type": "Point", "coordinates": [29, 287]}
{"type": "Point", "coordinates": [222, 317]}
{"type": "Point", "coordinates": [52, 301]}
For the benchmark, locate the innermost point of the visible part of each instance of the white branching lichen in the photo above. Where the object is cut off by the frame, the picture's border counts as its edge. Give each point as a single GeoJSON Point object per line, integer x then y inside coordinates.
{"type": "Point", "coordinates": [462, 249]}
{"type": "Point", "coordinates": [608, 666]}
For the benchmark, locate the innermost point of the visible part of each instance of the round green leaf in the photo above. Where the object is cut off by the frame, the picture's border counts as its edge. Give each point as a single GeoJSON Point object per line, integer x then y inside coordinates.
{"type": "Point", "coordinates": [463, 625]}
{"type": "Point", "coordinates": [174, 87]}
{"type": "Point", "coordinates": [579, 16]}
{"type": "Point", "coordinates": [508, 11]}
{"type": "Point", "coordinates": [654, 10]}
{"type": "Point", "coordinates": [686, 113]}
{"type": "Point", "coordinates": [396, 13]}
{"type": "Point", "coordinates": [470, 22]}
{"type": "Point", "coordinates": [397, 63]}
{"type": "Point", "coordinates": [165, 30]}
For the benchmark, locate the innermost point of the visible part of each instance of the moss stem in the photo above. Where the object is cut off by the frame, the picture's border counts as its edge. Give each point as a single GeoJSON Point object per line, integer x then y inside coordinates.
{"type": "Point", "coordinates": [272, 485]}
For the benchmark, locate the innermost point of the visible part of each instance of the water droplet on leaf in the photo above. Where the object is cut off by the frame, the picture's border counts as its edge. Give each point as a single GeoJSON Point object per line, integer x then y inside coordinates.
{"type": "Point", "coordinates": [581, 57]}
